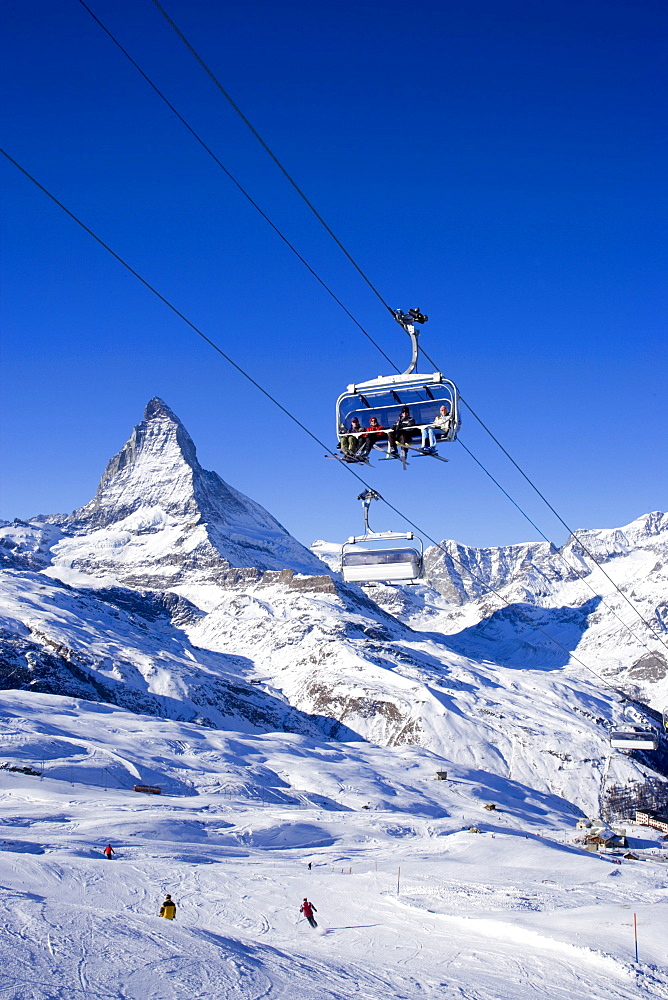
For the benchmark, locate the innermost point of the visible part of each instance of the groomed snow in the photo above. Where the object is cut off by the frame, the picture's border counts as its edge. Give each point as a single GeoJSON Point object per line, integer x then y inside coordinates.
{"type": "Point", "coordinates": [516, 911]}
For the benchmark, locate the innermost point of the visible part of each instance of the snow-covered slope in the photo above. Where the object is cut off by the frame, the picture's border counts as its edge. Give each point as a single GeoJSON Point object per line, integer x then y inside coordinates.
{"type": "Point", "coordinates": [411, 901]}
{"type": "Point", "coordinates": [170, 632]}
{"type": "Point", "coordinates": [122, 647]}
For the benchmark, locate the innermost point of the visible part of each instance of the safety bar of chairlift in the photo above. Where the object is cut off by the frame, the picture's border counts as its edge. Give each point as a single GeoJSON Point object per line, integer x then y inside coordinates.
{"type": "Point", "coordinates": [380, 536]}
{"type": "Point", "coordinates": [352, 391]}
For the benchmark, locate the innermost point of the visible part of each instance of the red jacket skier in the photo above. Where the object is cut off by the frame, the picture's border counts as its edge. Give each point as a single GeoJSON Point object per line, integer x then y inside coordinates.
{"type": "Point", "coordinates": [109, 851]}
{"type": "Point", "coordinates": [308, 909]}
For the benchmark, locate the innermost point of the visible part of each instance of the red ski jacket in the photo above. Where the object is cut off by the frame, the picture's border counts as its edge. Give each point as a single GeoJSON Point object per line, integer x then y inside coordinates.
{"type": "Point", "coordinates": [306, 909]}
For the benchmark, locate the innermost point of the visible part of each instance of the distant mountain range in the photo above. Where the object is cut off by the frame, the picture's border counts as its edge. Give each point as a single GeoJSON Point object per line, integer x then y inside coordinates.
{"type": "Point", "coordinates": [170, 593]}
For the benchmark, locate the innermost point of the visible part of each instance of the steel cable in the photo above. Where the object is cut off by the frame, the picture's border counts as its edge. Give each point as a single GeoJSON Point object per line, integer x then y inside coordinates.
{"type": "Point", "coordinates": [278, 163]}
{"type": "Point", "coordinates": [239, 186]}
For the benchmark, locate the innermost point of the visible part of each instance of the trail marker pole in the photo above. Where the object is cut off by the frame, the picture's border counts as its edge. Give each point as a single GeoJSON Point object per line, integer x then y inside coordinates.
{"type": "Point", "coordinates": [398, 879]}
{"type": "Point", "coordinates": [635, 934]}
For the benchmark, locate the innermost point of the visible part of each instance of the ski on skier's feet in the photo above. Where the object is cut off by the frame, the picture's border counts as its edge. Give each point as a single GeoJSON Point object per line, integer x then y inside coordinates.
{"type": "Point", "coordinates": [391, 455]}
{"type": "Point", "coordinates": [427, 453]}
{"type": "Point", "coordinates": [350, 459]}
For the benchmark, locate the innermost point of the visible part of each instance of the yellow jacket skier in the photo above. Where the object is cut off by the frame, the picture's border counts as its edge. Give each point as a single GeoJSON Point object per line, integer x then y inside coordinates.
{"type": "Point", "coordinates": [168, 908]}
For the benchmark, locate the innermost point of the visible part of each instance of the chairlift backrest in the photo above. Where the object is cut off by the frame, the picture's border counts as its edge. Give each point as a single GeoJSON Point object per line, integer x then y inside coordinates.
{"type": "Point", "coordinates": [385, 561]}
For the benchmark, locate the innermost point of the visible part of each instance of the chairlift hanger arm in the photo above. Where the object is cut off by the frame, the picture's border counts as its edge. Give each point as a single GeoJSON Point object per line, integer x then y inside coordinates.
{"type": "Point", "coordinates": [366, 497]}
{"type": "Point", "coordinates": [408, 321]}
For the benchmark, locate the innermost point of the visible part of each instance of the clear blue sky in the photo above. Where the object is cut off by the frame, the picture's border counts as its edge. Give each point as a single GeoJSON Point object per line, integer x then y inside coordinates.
{"type": "Point", "coordinates": [502, 166]}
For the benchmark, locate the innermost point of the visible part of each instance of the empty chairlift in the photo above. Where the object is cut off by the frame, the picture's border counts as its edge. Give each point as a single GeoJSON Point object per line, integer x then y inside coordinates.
{"type": "Point", "coordinates": [635, 738]}
{"type": "Point", "coordinates": [632, 737]}
{"type": "Point", "coordinates": [375, 557]}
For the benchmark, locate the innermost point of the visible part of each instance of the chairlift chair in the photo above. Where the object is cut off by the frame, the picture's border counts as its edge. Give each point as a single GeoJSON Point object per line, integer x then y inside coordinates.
{"type": "Point", "coordinates": [387, 395]}
{"type": "Point", "coordinates": [382, 563]}
{"type": "Point", "coordinates": [634, 739]}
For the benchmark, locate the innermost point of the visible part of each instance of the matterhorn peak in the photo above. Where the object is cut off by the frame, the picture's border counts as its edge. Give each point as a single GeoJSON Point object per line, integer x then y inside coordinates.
{"type": "Point", "coordinates": [158, 517]}
{"type": "Point", "coordinates": [157, 408]}
{"type": "Point", "coordinates": [157, 466]}
{"type": "Point", "coordinates": [161, 425]}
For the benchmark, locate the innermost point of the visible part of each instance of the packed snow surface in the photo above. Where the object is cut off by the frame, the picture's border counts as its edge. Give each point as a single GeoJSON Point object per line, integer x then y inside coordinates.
{"type": "Point", "coordinates": [410, 901]}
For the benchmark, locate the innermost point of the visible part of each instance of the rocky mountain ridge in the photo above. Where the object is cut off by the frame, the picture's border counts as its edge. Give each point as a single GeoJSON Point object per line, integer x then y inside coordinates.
{"type": "Point", "coordinates": [535, 567]}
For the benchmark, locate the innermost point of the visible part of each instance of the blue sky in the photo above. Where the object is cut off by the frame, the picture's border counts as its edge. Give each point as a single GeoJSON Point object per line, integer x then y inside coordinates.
{"type": "Point", "coordinates": [502, 166]}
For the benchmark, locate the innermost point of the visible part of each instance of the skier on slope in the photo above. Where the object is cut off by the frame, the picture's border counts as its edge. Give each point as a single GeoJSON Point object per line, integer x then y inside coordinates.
{"type": "Point", "coordinates": [168, 908]}
{"type": "Point", "coordinates": [308, 909]}
{"type": "Point", "coordinates": [109, 852]}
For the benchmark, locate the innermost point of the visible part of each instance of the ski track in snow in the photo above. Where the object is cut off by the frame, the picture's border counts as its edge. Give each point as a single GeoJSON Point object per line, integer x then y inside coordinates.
{"type": "Point", "coordinates": [478, 917]}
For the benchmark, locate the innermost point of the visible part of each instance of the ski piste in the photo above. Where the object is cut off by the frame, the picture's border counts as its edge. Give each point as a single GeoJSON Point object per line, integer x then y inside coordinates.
{"type": "Point", "coordinates": [287, 719]}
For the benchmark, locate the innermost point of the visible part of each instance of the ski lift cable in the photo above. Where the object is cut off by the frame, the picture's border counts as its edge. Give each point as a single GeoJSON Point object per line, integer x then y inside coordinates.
{"type": "Point", "coordinates": [239, 186]}
{"type": "Point", "coordinates": [273, 156]}
{"type": "Point", "coordinates": [570, 530]}
{"type": "Point", "coordinates": [357, 267]}
{"type": "Point", "coordinates": [292, 417]}
{"type": "Point", "coordinates": [166, 301]}
{"type": "Point", "coordinates": [326, 287]}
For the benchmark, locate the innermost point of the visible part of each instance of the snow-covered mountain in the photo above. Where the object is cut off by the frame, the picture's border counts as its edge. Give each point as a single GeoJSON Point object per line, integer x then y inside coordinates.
{"type": "Point", "coordinates": [172, 594]}
{"type": "Point", "coordinates": [493, 601]}
{"type": "Point", "coordinates": [535, 570]}
{"type": "Point", "coordinates": [624, 635]}
{"type": "Point", "coordinates": [158, 518]}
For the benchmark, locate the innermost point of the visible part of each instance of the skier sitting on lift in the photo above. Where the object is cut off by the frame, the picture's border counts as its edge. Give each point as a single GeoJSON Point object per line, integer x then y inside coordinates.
{"type": "Point", "coordinates": [350, 442]}
{"type": "Point", "coordinates": [440, 423]}
{"type": "Point", "coordinates": [401, 431]}
{"type": "Point", "coordinates": [373, 433]}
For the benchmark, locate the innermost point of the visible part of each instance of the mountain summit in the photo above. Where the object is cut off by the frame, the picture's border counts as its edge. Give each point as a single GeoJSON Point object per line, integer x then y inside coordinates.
{"type": "Point", "coordinates": [159, 519]}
